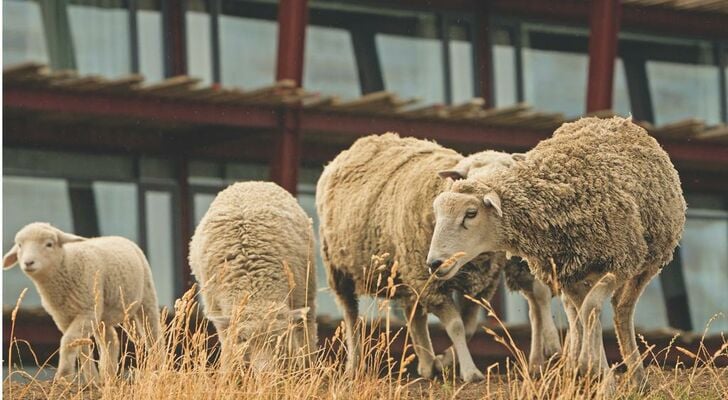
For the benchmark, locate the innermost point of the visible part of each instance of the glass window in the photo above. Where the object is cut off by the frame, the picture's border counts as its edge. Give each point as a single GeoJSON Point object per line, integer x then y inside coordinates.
{"type": "Point", "coordinates": [461, 64]}
{"type": "Point", "coordinates": [151, 49]}
{"type": "Point", "coordinates": [681, 91]}
{"type": "Point", "coordinates": [248, 49]}
{"type": "Point", "coordinates": [199, 41]}
{"type": "Point", "coordinates": [412, 66]}
{"type": "Point", "coordinates": [28, 200]}
{"type": "Point", "coordinates": [23, 35]}
{"type": "Point", "coordinates": [202, 203]}
{"type": "Point", "coordinates": [329, 66]}
{"type": "Point", "coordinates": [705, 263]}
{"type": "Point", "coordinates": [504, 67]}
{"type": "Point", "coordinates": [555, 80]}
{"type": "Point", "coordinates": [160, 244]}
{"type": "Point", "coordinates": [116, 208]}
{"type": "Point", "coordinates": [620, 94]}
{"type": "Point", "coordinates": [100, 33]}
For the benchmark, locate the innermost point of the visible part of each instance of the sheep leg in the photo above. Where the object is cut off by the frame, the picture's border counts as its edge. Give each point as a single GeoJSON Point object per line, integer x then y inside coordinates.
{"type": "Point", "coordinates": [572, 298]}
{"type": "Point", "coordinates": [624, 303]}
{"type": "Point", "coordinates": [591, 356]}
{"type": "Point", "coordinates": [108, 344]}
{"type": "Point", "coordinates": [87, 367]}
{"type": "Point", "coordinates": [427, 364]}
{"type": "Point", "coordinates": [345, 293]}
{"type": "Point", "coordinates": [450, 318]}
{"type": "Point", "coordinates": [469, 312]}
{"type": "Point", "coordinates": [544, 335]}
{"type": "Point", "coordinates": [79, 328]}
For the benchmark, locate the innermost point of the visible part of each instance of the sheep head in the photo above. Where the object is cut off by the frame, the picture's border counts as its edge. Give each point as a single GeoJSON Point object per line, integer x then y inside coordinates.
{"type": "Point", "coordinates": [466, 225]}
{"type": "Point", "coordinates": [38, 248]}
{"type": "Point", "coordinates": [482, 163]}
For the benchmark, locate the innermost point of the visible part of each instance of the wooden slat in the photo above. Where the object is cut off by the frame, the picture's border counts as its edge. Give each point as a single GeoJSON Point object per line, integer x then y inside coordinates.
{"type": "Point", "coordinates": [680, 130]}
{"type": "Point", "coordinates": [716, 134]}
{"type": "Point", "coordinates": [171, 87]}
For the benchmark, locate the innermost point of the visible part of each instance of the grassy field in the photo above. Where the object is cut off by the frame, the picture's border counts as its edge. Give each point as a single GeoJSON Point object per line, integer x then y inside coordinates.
{"type": "Point", "coordinates": [185, 366]}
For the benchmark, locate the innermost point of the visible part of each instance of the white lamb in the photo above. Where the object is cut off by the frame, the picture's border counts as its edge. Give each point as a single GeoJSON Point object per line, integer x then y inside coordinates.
{"type": "Point", "coordinates": [252, 255]}
{"type": "Point", "coordinates": [88, 286]}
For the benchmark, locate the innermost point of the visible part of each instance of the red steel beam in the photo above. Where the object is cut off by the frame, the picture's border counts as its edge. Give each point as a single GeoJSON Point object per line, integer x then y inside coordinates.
{"type": "Point", "coordinates": [152, 109]}
{"type": "Point", "coordinates": [292, 21]}
{"type": "Point", "coordinates": [173, 12]}
{"type": "Point", "coordinates": [603, 39]}
{"type": "Point", "coordinates": [485, 56]}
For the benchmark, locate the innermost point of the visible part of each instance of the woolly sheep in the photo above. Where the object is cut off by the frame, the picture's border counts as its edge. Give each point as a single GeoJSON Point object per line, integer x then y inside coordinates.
{"type": "Point", "coordinates": [597, 210]}
{"type": "Point", "coordinates": [252, 255]}
{"type": "Point", "coordinates": [88, 286]}
{"type": "Point", "coordinates": [375, 198]}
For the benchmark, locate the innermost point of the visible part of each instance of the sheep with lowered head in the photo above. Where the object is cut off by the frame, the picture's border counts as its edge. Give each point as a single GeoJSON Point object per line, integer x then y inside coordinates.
{"type": "Point", "coordinates": [88, 286]}
{"type": "Point", "coordinates": [596, 209]}
{"type": "Point", "coordinates": [252, 255]}
{"type": "Point", "coordinates": [375, 198]}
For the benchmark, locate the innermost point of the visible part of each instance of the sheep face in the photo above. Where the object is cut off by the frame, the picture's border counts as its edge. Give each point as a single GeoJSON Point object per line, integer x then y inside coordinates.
{"type": "Point", "coordinates": [465, 227]}
{"type": "Point", "coordinates": [38, 249]}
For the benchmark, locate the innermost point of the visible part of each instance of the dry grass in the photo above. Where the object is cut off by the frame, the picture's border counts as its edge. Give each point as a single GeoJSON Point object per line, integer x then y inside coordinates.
{"type": "Point", "coordinates": [185, 366]}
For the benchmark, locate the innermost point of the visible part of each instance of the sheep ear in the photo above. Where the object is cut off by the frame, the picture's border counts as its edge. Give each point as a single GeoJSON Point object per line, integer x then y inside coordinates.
{"type": "Point", "coordinates": [299, 314]}
{"type": "Point", "coordinates": [518, 156]}
{"type": "Point", "coordinates": [64, 238]}
{"type": "Point", "coordinates": [452, 174]}
{"type": "Point", "coordinates": [492, 200]}
{"type": "Point", "coordinates": [11, 258]}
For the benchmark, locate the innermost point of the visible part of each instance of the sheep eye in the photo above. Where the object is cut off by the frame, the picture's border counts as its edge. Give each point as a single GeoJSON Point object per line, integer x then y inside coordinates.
{"type": "Point", "coordinates": [471, 213]}
{"type": "Point", "coordinates": [49, 244]}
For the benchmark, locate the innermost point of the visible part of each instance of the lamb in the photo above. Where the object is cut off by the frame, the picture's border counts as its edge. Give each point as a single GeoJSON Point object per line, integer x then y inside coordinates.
{"type": "Point", "coordinates": [252, 255]}
{"type": "Point", "coordinates": [88, 286]}
{"type": "Point", "coordinates": [597, 210]}
{"type": "Point", "coordinates": [375, 198]}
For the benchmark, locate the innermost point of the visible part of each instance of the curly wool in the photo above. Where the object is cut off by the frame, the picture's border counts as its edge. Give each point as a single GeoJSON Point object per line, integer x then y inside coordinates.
{"type": "Point", "coordinates": [241, 248]}
{"type": "Point", "coordinates": [601, 195]}
{"type": "Point", "coordinates": [376, 198]}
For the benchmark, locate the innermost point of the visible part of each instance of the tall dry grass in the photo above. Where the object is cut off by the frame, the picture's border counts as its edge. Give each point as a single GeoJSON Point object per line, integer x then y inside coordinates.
{"type": "Point", "coordinates": [185, 366]}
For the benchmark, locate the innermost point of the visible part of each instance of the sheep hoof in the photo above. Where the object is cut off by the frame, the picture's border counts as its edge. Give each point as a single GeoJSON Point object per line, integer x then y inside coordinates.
{"type": "Point", "coordinates": [472, 376]}
{"type": "Point", "coordinates": [429, 370]}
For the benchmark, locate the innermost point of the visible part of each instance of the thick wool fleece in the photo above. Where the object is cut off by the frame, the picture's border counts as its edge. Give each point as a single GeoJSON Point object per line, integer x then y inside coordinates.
{"type": "Point", "coordinates": [240, 247]}
{"type": "Point", "coordinates": [601, 195]}
{"type": "Point", "coordinates": [375, 198]}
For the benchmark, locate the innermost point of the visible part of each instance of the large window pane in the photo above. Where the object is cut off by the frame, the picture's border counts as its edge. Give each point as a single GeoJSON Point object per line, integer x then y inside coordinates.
{"type": "Point", "coordinates": [248, 51]}
{"type": "Point", "coordinates": [27, 200]}
{"type": "Point", "coordinates": [100, 33]}
{"type": "Point", "coordinates": [555, 81]}
{"type": "Point", "coordinates": [160, 248]}
{"type": "Point", "coordinates": [705, 263]}
{"type": "Point", "coordinates": [330, 67]}
{"type": "Point", "coordinates": [23, 38]}
{"type": "Point", "coordinates": [151, 50]}
{"type": "Point", "coordinates": [116, 207]}
{"type": "Point", "coordinates": [412, 67]}
{"type": "Point", "coordinates": [199, 45]}
{"type": "Point", "coordinates": [681, 91]}
{"type": "Point", "coordinates": [461, 70]}
{"type": "Point", "coordinates": [505, 75]}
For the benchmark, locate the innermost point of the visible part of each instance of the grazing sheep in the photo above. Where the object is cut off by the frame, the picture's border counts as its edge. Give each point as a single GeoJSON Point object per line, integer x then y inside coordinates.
{"type": "Point", "coordinates": [375, 198]}
{"type": "Point", "coordinates": [252, 255]}
{"type": "Point", "coordinates": [597, 210]}
{"type": "Point", "coordinates": [88, 286]}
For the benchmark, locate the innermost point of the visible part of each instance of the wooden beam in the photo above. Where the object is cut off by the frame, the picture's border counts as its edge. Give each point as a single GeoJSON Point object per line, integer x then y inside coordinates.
{"type": "Point", "coordinates": [292, 21]}
{"type": "Point", "coordinates": [175, 44]}
{"type": "Point", "coordinates": [603, 39]}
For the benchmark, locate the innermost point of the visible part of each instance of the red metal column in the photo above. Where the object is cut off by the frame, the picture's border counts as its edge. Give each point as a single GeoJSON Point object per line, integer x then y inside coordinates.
{"type": "Point", "coordinates": [604, 20]}
{"type": "Point", "coordinates": [484, 56]}
{"type": "Point", "coordinates": [292, 20]}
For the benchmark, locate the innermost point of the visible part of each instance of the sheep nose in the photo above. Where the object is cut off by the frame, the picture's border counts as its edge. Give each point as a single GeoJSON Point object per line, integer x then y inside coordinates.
{"type": "Point", "coordinates": [434, 264]}
{"type": "Point", "coordinates": [29, 263]}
